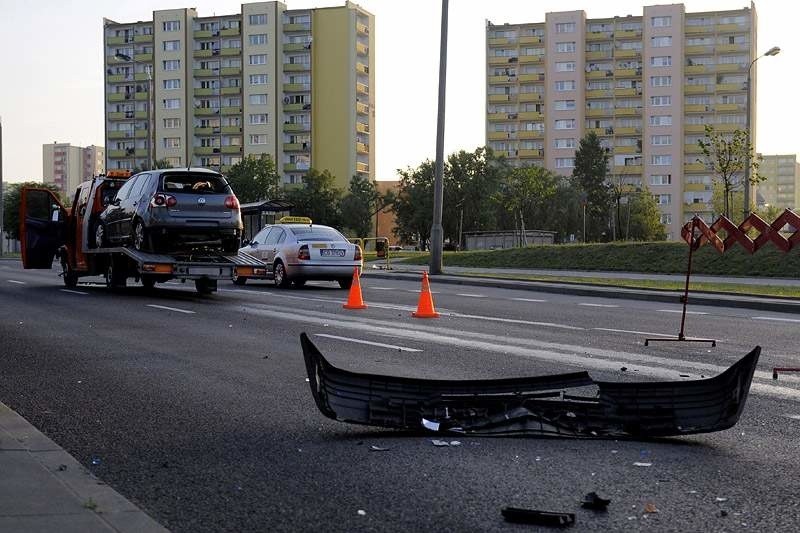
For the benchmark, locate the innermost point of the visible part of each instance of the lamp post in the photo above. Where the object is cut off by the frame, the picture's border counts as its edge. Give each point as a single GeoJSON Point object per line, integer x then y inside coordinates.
{"type": "Point", "coordinates": [771, 52]}
{"type": "Point", "coordinates": [2, 234]}
{"type": "Point", "coordinates": [436, 228]}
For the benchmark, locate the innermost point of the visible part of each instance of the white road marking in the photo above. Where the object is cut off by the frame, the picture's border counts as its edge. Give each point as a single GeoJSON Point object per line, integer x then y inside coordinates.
{"type": "Point", "coordinates": [467, 295]}
{"type": "Point", "coordinates": [635, 332]}
{"type": "Point", "coordinates": [528, 300]}
{"type": "Point", "coordinates": [381, 288]}
{"type": "Point", "coordinates": [171, 309]}
{"type": "Point", "coordinates": [359, 341]}
{"type": "Point", "coordinates": [776, 319]}
{"type": "Point", "coordinates": [679, 311]}
{"type": "Point", "coordinates": [73, 292]}
{"type": "Point", "coordinates": [416, 291]}
{"type": "Point", "coordinates": [598, 305]}
{"type": "Point", "coordinates": [17, 282]}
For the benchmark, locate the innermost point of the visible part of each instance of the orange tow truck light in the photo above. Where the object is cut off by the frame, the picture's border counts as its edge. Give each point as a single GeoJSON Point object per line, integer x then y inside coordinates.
{"type": "Point", "coordinates": [157, 268]}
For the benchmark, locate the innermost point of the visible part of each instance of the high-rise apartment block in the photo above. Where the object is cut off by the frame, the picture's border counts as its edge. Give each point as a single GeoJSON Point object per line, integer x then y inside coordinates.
{"type": "Point", "coordinates": [781, 185]}
{"type": "Point", "coordinates": [297, 85]}
{"type": "Point", "coordinates": [66, 166]}
{"type": "Point", "coordinates": [647, 85]}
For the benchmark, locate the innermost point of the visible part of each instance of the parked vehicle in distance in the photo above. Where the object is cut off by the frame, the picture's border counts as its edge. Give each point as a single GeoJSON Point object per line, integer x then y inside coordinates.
{"type": "Point", "coordinates": [173, 210]}
{"type": "Point", "coordinates": [296, 250]}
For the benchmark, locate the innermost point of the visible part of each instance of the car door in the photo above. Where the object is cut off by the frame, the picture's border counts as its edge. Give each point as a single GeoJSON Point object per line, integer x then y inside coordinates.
{"type": "Point", "coordinates": [43, 227]}
{"type": "Point", "coordinates": [113, 213]}
{"type": "Point", "coordinates": [274, 239]}
{"type": "Point", "coordinates": [256, 248]}
{"type": "Point", "coordinates": [129, 205]}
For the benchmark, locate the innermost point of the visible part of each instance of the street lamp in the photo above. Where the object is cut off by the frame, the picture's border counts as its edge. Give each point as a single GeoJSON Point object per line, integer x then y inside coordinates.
{"type": "Point", "coordinates": [150, 103]}
{"type": "Point", "coordinates": [771, 52]}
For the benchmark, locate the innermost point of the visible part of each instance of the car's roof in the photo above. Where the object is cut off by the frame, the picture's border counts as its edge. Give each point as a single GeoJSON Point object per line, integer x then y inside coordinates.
{"type": "Point", "coordinates": [184, 170]}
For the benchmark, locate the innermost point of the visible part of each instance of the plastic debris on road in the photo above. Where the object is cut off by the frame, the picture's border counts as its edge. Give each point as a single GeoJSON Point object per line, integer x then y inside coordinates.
{"type": "Point", "coordinates": [650, 508]}
{"type": "Point", "coordinates": [594, 502]}
{"type": "Point", "coordinates": [536, 517]}
{"type": "Point", "coordinates": [361, 512]}
{"type": "Point", "coordinates": [642, 464]}
{"type": "Point", "coordinates": [378, 449]}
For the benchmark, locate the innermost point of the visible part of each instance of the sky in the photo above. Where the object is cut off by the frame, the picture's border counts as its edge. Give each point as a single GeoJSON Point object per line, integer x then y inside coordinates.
{"type": "Point", "coordinates": [51, 70]}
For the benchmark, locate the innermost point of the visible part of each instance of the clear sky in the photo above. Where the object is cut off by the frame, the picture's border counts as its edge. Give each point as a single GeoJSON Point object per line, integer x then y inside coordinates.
{"type": "Point", "coordinates": [51, 70]}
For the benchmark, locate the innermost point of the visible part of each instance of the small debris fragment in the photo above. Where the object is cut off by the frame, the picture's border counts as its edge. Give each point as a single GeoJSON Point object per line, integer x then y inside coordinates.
{"type": "Point", "coordinates": [650, 508]}
{"type": "Point", "coordinates": [378, 449]}
{"type": "Point", "coordinates": [614, 451]}
{"type": "Point", "coordinates": [594, 502]}
{"type": "Point", "coordinates": [430, 424]}
{"type": "Point", "coordinates": [61, 468]}
{"type": "Point", "coordinates": [642, 464]}
{"type": "Point", "coordinates": [538, 458]}
{"type": "Point", "coordinates": [632, 517]}
{"type": "Point", "coordinates": [455, 443]}
{"type": "Point", "coordinates": [230, 325]}
{"type": "Point", "coordinates": [692, 492]}
{"type": "Point", "coordinates": [540, 518]}
{"type": "Point", "coordinates": [722, 499]}
{"type": "Point", "coordinates": [362, 512]}
{"type": "Point", "coordinates": [440, 442]}
{"type": "Point", "coordinates": [308, 380]}
{"type": "Point", "coordinates": [723, 513]}
{"type": "Point", "coordinates": [96, 461]}
{"type": "Point", "coordinates": [684, 375]}
{"type": "Point", "coordinates": [624, 369]}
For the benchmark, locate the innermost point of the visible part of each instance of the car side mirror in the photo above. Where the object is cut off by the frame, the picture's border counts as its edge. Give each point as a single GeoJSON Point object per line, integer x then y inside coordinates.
{"type": "Point", "coordinates": [245, 242]}
{"type": "Point", "coordinates": [253, 243]}
{"type": "Point", "coordinates": [116, 202]}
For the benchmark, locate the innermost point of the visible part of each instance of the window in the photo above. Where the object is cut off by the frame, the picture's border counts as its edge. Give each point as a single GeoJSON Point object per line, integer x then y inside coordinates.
{"type": "Point", "coordinates": [258, 79]}
{"type": "Point", "coordinates": [564, 105]}
{"type": "Point", "coordinates": [666, 218]}
{"type": "Point", "coordinates": [660, 179]}
{"type": "Point", "coordinates": [171, 64]}
{"type": "Point", "coordinates": [172, 103]}
{"type": "Point", "coordinates": [258, 139]}
{"type": "Point", "coordinates": [661, 61]}
{"type": "Point", "coordinates": [172, 46]}
{"type": "Point", "coordinates": [661, 22]}
{"type": "Point", "coordinates": [661, 120]}
{"type": "Point", "coordinates": [258, 59]}
{"type": "Point", "coordinates": [660, 81]}
{"type": "Point", "coordinates": [258, 38]}
{"type": "Point", "coordinates": [661, 42]}
{"type": "Point", "coordinates": [660, 100]}
{"type": "Point", "coordinates": [172, 25]}
{"type": "Point", "coordinates": [663, 199]}
{"type": "Point", "coordinates": [172, 142]}
{"type": "Point", "coordinates": [565, 27]}
{"type": "Point", "coordinates": [661, 140]}
{"type": "Point", "coordinates": [172, 84]}
{"type": "Point", "coordinates": [565, 85]}
{"type": "Point", "coordinates": [661, 160]}
{"type": "Point", "coordinates": [565, 66]}
{"type": "Point", "coordinates": [565, 162]}
{"type": "Point", "coordinates": [565, 47]}
{"type": "Point", "coordinates": [258, 99]}
{"type": "Point", "coordinates": [258, 118]}
{"type": "Point", "coordinates": [256, 20]}
{"type": "Point", "coordinates": [564, 143]}
{"type": "Point", "coordinates": [172, 123]}
{"type": "Point", "coordinates": [565, 124]}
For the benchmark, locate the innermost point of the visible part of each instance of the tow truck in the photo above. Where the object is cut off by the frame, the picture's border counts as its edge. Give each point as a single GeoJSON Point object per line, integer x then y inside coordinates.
{"type": "Point", "coordinates": [49, 230]}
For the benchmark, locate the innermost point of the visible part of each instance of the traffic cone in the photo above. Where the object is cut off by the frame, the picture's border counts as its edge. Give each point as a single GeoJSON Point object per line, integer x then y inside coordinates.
{"type": "Point", "coordinates": [354, 299]}
{"type": "Point", "coordinates": [425, 306]}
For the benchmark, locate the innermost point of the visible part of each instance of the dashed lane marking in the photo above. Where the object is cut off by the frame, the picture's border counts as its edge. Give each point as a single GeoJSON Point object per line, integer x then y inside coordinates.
{"type": "Point", "coordinates": [679, 311]}
{"type": "Point", "coordinates": [468, 295]}
{"type": "Point", "coordinates": [74, 292]}
{"type": "Point", "coordinates": [776, 319]}
{"type": "Point", "coordinates": [598, 305]}
{"type": "Point", "coordinates": [360, 341]}
{"type": "Point", "coordinates": [17, 282]}
{"type": "Point", "coordinates": [186, 311]}
{"type": "Point", "coordinates": [528, 300]}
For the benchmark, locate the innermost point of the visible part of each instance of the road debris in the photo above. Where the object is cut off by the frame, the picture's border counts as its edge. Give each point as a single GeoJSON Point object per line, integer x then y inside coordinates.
{"type": "Point", "coordinates": [637, 463]}
{"type": "Point", "coordinates": [719, 499]}
{"type": "Point", "coordinates": [535, 517]}
{"type": "Point", "coordinates": [378, 449]}
{"type": "Point", "coordinates": [595, 502]}
{"type": "Point", "coordinates": [361, 512]}
{"type": "Point", "coordinates": [650, 508]}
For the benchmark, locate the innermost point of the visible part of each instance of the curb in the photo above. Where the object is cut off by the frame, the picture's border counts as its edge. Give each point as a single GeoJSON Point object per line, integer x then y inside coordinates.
{"type": "Point", "coordinates": [605, 291]}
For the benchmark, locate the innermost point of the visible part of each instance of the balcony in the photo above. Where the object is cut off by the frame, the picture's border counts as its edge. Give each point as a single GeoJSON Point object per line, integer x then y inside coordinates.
{"type": "Point", "coordinates": [143, 38]}
{"type": "Point", "coordinates": [142, 96]}
{"type": "Point", "coordinates": [697, 207]}
{"type": "Point", "coordinates": [200, 91]}
{"type": "Point", "coordinates": [531, 77]}
{"type": "Point", "coordinates": [501, 60]}
{"type": "Point", "coordinates": [295, 147]}
{"type": "Point", "coordinates": [361, 68]}
{"type": "Point", "coordinates": [229, 32]}
{"type": "Point", "coordinates": [494, 117]}
{"type": "Point", "coordinates": [627, 131]}
{"type": "Point", "coordinates": [728, 128]}
{"type": "Point", "coordinates": [230, 90]}
{"type": "Point", "coordinates": [627, 111]}
{"type": "Point", "coordinates": [362, 49]}
{"type": "Point", "coordinates": [228, 130]}
{"type": "Point", "coordinates": [202, 34]}
{"type": "Point", "coordinates": [113, 41]}
{"type": "Point", "coordinates": [117, 153]}
{"type": "Point", "coordinates": [730, 67]}
{"type": "Point", "coordinates": [119, 134]}
{"type": "Point", "coordinates": [530, 115]}
{"type": "Point", "coordinates": [143, 58]}
{"type": "Point", "coordinates": [531, 153]}
{"type": "Point", "coordinates": [228, 52]}
{"type": "Point", "coordinates": [626, 54]}
{"type": "Point", "coordinates": [599, 93]}
{"type": "Point", "coordinates": [296, 67]}
{"type": "Point", "coordinates": [142, 76]}
{"type": "Point", "coordinates": [293, 128]}
{"type": "Point", "coordinates": [116, 78]}
{"type": "Point", "coordinates": [697, 89]}
{"type": "Point", "coordinates": [230, 71]}
{"type": "Point", "coordinates": [362, 167]}
{"type": "Point", "coordinates": [206, 111]}
{"type": "Point", "coordinates": [598, 74]}
{"type": "Point", "coordinates": [296, 87]}
{"type": "Point", "coordinates": [529, 134]}
{"type": "Point", "coordinates": [498, 135]}
{"type": "Point", "coordinates": [694, 187]}
{"type": "Point", "coordinates": [524, 97]}
{"type": "Point", "coordinates": [697, 108]}
{"type": "Point", "coordinates": [598, 54]}
{"type": "Point", "coordinates": [627, 92]}
{"type": "Point", "coordinates": [499, 97]}
{"type": "Point", "coordinates": [728, 107]}
{"type": "Point", "coordinates": [627, 72]}
{"type": "Point", "coordinates": [696, 69]}
{"type": "Point", "coordinates": [362, 29]}
{"type": "Point", "coordinates": [361, 108]}
{"type": "Point", "coordinates": [599, 131]}
{"type": "Point", "coordinates": [730, 87]}
{"type": "Point", "coordinates": [297, 27]}
{"type": "Point", "coordinates": [362, 128]}
{"type": "Point", "coordinates": [497, 41]}
{"type": "Point", "coordinates": [731, 28]}
{"type": "Point", "coordinates": [205, 72]}
{"type": "Point", "coordinates": [232, 149]}
{"type": "Point", "coordinates": [530, 39]}
{"type": "Point", "coordinates": [204, 150]}
{"type": "Point", "coordinates": [628, 169]}
{"type": "Point", "coordinates": [290, 167]}
{"type": "Point", "coordinates": [362, 148]}
{"type": "Point", "coordinates": [628, 34]}
{"type": "Point", "coordinates": [694, 128]}
{"type": "Point", "coordinates": [692, 149]}
{"type": "Point", "coordinates": [295, 47]}
{"type": "Point", "coordinates": [599, 112]}
{"type": "Point", "coordinates": [362, 89]}
{"type": "Point", "coordinates": [531, 59]}
{"type": "Point", "coordinates": [204, 131]}
{"type": "Point", "coordinates": [140, 134]}
{"type": "Point", "coordinates": [202, 53]}
{"type": "Point", "coordinates": [119, 115]}
{"type": "Point", "coordinates": [694, 167]}
{"type": "Point", "coordinates": [696, 50]}
{"type": "Point", "coordinates": [698, 29]}
{"type": "Point", "coordinates": [230, 110]}
{"type": "Point", "coordinates": [117, 97]}
{"type": "Point", "coordinates": [626, 150]}
{"type": "Point", "coordinates": [599, 36]}
{"type": "Point", "coordinates": [729, 48]}
{"type": "Point", "coordinates": [293, 107]}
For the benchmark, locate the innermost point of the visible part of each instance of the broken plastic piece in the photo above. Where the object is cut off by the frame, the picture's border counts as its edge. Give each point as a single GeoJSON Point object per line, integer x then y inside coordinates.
{"type": "Point", "coordinates": [540, 518]}
{"type": "Point", "coordinates": [533, 406]}
{"type": "Point", "coordinates": [595, 502]}
{"type": "Point", "coordinates": [440, 442]}
{"type": "Point", "coordinates": [430, 424]}
{"type": "Point", "coordinates": [650, 508]}
{"type": "Point", "coordinates": [378, 449]}
{"type": "Point", "coordinates": [642, 464]}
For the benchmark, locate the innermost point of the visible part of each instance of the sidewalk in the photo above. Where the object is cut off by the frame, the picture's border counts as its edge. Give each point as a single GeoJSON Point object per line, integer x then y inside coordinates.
{"type": "Point", "coordinates": [505, 278]}
{"type": "Point", "coordinates": [44, 489]}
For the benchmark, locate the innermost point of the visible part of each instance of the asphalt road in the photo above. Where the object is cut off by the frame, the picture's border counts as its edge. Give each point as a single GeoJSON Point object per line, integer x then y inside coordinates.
{"type": "Point", "coordinates": [198, 410]}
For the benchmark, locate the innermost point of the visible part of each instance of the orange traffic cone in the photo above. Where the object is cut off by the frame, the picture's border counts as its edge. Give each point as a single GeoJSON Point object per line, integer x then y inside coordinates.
{"type": "Point", "coordinates": [354, 299]}
{"type": "Point", "coordinates": [425, 307]}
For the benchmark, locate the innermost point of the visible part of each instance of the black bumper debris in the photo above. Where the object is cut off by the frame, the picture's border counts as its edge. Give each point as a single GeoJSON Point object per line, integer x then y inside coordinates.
{"type": "Point", "coordinates": [539, 518]}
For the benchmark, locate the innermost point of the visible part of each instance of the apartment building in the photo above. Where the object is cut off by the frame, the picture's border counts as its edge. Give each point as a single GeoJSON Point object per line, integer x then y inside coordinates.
{"type": "Point", "coordinates": [66, 166]}
{"type": "Point", "coordinates": [781, 185]}
{"type": "Point", "coordinates": [297, 85]}
{"type": "Point", "coordinates": [647, 85]}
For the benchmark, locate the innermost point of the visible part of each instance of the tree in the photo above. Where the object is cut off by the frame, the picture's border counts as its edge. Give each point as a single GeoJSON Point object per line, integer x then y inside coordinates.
{"type": "Point", "coordinates": [643, 220]}
{"type": "Point", "coordinates": [11, 201]}
{"type": "Point", "coordinates": [160, 163]}
{"type": "Point", "coordinates": [525, 191]}
{"type": "Point", "coordinates": [722, 202]}
{"type": "Point", "coordinates": [727, 156]}
{"type": "Point", "coordinates": [361, 203]}
{"type": "Point", "coordinates": [564, 214]}
{"type": "Point", "coordinates": [319, 198]}
{"type": "Point", "coordinates": [591, 169]}
{"type": "Point", "coordinates": [255, 178]}
{"type": "Point", "coordinates": [413, 206]}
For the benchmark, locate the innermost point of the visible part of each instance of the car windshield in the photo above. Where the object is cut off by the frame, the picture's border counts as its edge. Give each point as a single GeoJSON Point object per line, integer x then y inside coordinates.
{"type": "Point", "coordinates": [317, 233]}
{"type": "Point", "coordinates": [191, 182]}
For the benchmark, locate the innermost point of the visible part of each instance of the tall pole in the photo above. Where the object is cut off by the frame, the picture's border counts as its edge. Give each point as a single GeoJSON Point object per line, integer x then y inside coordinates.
{"type": "Point", "coordinates": [436, 228]}
{"type": "Point", "coordinates": [151, 112]}
{"type": "Point", "coordinates": [2, 214]}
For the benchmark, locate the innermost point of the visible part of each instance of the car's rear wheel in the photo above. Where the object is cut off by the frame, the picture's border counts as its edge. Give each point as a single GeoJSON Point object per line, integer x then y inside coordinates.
{"type": "Point", "coordinates": [115, 275]}
{"type": "Point", "coordinates": [100, 238]}
{"type": "Point", "coordinates": [139, 237]}
{"type": "Point", "coordinates": [345, 283]}
{"type": "Point", "coordinates": [279, 272]}
{"type": "Point", "coordinates": [205, 285]}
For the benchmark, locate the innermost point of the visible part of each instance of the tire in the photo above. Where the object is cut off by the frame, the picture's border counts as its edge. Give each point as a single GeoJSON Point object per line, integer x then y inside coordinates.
{"type": "Point", "coordinates": [279, 272]}
{"type": "Point", "coordinates": [100, 237]}
{"type": "Point", "coordinates": [205, 286]}
{"type": "Point", "coordinates": [345, 283]}
{"type": "Point", "coordinates": [148, 282]}
{"type": "Point", "coordinates": [139, 239]}
{"type": "Point", "coordinates": [239, 280]}
{"type": "Point", "coordinates": [298, 283]}
{"type": "Point", "coordinates": [115, 279]}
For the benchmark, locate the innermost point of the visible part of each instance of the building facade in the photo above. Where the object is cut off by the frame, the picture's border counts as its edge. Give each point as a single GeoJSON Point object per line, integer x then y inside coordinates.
{"type": "Point", "coordinates": [297, 85]}
{"type": "Point", "coordinates": [781, 185]}
{"type": "Point", "coordinates": [66, 166]}
{"type": "Point", "coordinates": [647, 85]}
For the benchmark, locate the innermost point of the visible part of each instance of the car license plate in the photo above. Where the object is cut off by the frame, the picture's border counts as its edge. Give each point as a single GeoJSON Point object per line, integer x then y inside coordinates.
{"type": "Point", "coordinates": [331, 252]}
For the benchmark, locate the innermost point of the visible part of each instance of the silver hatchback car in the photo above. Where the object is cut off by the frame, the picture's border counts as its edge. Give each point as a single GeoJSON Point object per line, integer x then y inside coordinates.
{"type": "Point", "coordinates": [296, 250]}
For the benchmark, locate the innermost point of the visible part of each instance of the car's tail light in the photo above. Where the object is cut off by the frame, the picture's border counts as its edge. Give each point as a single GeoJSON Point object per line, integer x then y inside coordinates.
{"type": "Point", "coordinates": [303, 253]}
{"type": "Point", "coordinates": [231, 202]}
{"type": "Point", "coordinates": [357, 256]}
{"type": "Point", "coordinates": [163, 200]}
